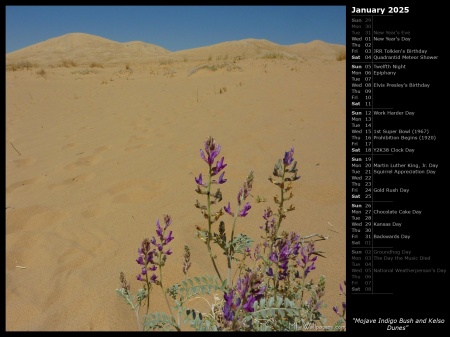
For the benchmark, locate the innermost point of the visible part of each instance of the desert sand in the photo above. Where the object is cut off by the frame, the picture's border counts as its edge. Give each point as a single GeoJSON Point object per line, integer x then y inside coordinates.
{"type": "Point", "coordinates": [103, 138]}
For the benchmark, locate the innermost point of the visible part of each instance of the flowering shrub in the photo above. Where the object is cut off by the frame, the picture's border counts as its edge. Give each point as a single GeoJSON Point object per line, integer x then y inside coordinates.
{"type": "Point", "coordinates": [273, 291]}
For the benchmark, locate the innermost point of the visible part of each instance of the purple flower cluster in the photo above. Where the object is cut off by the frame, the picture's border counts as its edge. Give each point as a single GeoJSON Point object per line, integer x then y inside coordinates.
{"type": "Point", "coordinates": [242, 213]}
{"type": "Point", "coordinates": [249, 289]}
{"type": "Point", "coordinates": [307, 260]}
{"type": "Point", "coordinates": [315, 302]}
{"type": "Point", "coordinates": [285, 249]}
{"type": "Point", "coordinates": [210, 153]}
{"type": "Point", "coordinates": [344, 304]}
{"type": "Point", "coordinates": [152, 250]}
{"type": "Point", "coordinates": [212, 150]}
{"type": "Point", "coordinates": [282, 167]}
{"type": "Point", "coordinates": [288, 157]}
{"type": "Point", "coordinates": [269, 226]}
{"type": "Point", "coordinates": [243, 193]}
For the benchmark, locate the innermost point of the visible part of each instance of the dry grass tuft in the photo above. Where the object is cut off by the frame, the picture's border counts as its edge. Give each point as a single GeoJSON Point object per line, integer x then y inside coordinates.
{"type": "Point", "coordinates": [27, 65]}
{"type": "Point", "coordinates": [96, 65]}
{"type": "Point", "coordinates": [42, 73]}
{"type": "Point", "coordinates": [68, 63]}
{"type": "Point", "coordinates": [341, 56]}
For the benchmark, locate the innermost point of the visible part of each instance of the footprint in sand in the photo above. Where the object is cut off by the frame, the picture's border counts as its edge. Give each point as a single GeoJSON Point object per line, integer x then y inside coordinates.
{"type": "Point", "coordinates": [134, 191]}
{"type": "Point", "coordinates": [22, 184]}
{"type": "Point", "coordinates": [93, 212]}
{"type": "Point", "coordinates": [102, 148]}
{"type": "Point", "coordinates": [25, 162]}
{"type": "Point", "coordinates": [83, 162]}
{"type": "Point", "coordinates": [68, 146]}
{"type": "Point", "coordinates": [142, 143]}
{"type": "Point", "coordinates": [81, 178]}
{"type": "Point", "coordinates": [141, 127]}
{"type": "Point", "coordinates": [136, 147]}
{"type": "Point", "coordinates": [31, 218]}
{"type": "Point", "coordinates": [97, 208]}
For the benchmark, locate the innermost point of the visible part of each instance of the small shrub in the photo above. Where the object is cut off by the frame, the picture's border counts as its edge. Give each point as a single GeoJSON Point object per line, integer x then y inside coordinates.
{"type": "Point", "coordinates": [164, 62]}
{"type": "Point", "coordinates": [341, 56]}
{"type": "Point", "coordinates": [85, 71]}
{"type": "Point", "coordinates": [68, 63]}
{"type": "Point", "coordinates": [215, 67]}
{"type": "Point", "coordinates": [27, 65]}
{"type": "Point", "coordinates": [272, 56]}
{"type": "Point", "coordinates": [96, 65]}
{"type": "Point", "coordinates": [41, 73]}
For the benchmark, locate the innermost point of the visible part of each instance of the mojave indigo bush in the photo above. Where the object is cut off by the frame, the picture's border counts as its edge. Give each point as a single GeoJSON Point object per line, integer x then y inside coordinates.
{"type": "Point", "coordinates": [273, 289]}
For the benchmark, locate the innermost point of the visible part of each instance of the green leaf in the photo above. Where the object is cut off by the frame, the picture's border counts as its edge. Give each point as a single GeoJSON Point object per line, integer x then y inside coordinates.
{"type": "Point", "coordinates": [159, 320]}
{"type": "Point", "coordinates": [279, 301]}
{"type": "Point", "coordinates": [240, 243]}
{"type": "Point", "coordinates": [264, 314]}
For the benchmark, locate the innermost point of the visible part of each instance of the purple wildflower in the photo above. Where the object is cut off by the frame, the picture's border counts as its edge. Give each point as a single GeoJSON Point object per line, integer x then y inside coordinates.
{"type": "Point", "coordinates": [145, 258]}
{"type": "Point", "coordinates": [228, 209]}
{"type": "Point", "coordinates": [229, 307]}
{"type": "Point", "coordinates": [199, 180]}
{"type": "Point", "coordinates": [248, 306]}
{"type": "Point", "coordinates": [147, 254]}
{"type": "Point", "coordinates": [245, 210]}
{"type": "Point", "coordinates": [288, 157]}
{"type": "Point", "coordinates": [149, 257]}
{"type": "Point", "coordinates": [168, 238]}
{"type": "Point", "coordinates": [286, 249]}
{"type": "Point", "coordinates": [306, 253]}
{"type": "Point", "coordinates": [309, 268]}
{"type": "Point", "coordinates": [343, 305]}
{"type": "Point", "coordinates": [221, 179]}
{"type": "Point", "coordinates": [212, 151]}
{"type": "Point", "coordinates": [342, 289]}
{"type": "Point", "coordinates": [273, 257]}
{"type": "Point", "coordinates": [140, 260]}
{"type": "Point", "coordinates": [219, 167]}
{"type": "Point", "coordinates": [159, 230]}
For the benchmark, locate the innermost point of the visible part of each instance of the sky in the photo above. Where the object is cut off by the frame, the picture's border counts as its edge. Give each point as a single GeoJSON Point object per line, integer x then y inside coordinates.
{"type": "Point", "coordinates": [176, 27]}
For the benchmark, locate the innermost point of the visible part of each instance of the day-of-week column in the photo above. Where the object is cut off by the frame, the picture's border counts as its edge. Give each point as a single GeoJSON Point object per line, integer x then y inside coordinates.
{"type": "Point", "coordinates": [360, 123]}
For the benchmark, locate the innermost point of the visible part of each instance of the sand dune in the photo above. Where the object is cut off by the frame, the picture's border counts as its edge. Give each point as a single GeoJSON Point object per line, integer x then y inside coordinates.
{"type": "Point", "coordinates": [94, 155]}
{"type": "Point", "coordinates": [84, 49]}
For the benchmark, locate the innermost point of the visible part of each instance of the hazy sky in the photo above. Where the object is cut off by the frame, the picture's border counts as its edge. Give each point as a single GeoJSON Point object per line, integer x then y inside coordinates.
{"type": "Point", "coordinates": [176, 27]}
